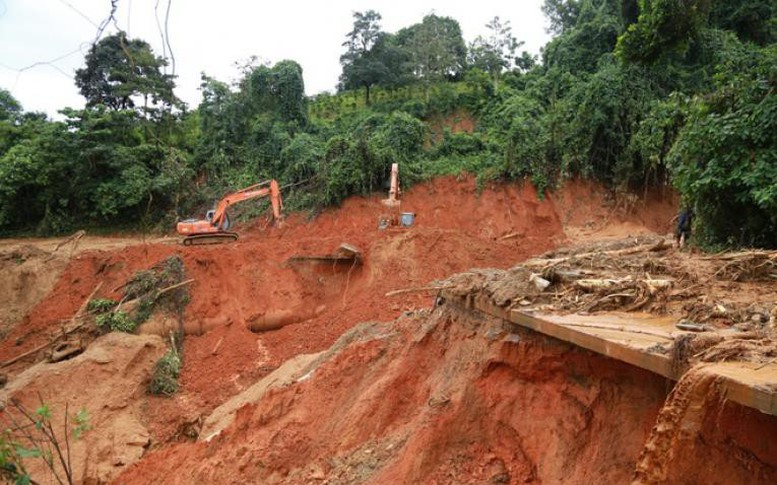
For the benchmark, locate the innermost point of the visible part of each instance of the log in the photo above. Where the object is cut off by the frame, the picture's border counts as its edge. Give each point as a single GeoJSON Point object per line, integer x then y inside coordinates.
{"type": "Point", "coordinates": [26, 354]}
{"type": "Point", "coordinates": [85, 304]}
{"type": "Point", "coordinates": [660, 246]}
{"type": "Point", "coordinates": [740, 256]}
{"type": "Point", "coordinates": [65, 352]}
{"type": "Point", "coordinates": [598, 284]}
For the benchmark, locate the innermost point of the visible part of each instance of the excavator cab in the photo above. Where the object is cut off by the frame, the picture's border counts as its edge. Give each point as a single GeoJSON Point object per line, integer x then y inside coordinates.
{"type": "Point", "coordinates": [226, 223]}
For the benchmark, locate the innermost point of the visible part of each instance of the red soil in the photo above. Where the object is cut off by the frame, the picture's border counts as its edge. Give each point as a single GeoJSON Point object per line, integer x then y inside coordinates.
{"type": "Point", "coordinates": [446, 398]}
{"type": "Point", "coordinates": [455, 229]}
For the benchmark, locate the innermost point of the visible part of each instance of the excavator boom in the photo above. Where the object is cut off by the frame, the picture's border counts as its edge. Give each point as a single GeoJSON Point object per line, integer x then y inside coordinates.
{"type": "Point", "coordinates": [214, 229]}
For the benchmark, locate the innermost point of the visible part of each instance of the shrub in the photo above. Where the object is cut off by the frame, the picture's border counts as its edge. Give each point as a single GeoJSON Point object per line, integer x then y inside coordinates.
{"type": "Point", "coordinates": [164, 381]}
{"type": "Point", "coordinates": [101, 305]}
{"type": "Point", "coordinates": [116, 322]}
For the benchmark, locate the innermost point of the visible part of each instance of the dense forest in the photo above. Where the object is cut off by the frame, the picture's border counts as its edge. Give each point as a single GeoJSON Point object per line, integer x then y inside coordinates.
{"type": "Point", "coordinates": [636, 94]}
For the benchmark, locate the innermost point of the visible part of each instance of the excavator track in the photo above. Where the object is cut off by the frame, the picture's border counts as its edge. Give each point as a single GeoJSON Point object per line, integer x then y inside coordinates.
{"type": "Point", "coordinates": [217, 238]}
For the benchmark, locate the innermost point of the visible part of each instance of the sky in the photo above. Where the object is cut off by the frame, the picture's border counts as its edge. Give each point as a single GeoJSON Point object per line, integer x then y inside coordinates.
{"type": "Point", "coordinates": [43, 42]}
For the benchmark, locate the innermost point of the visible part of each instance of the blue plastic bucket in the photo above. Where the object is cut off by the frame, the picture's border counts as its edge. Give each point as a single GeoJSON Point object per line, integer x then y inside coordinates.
{"type": "Point", "coordinates": [407, 219]}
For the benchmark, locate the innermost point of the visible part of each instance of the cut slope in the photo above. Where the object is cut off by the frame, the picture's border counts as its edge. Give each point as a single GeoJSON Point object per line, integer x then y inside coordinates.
{"type": "Point", "coordinates": [441, 398]}
{"type": "Point", "coordinates": [456, 228]}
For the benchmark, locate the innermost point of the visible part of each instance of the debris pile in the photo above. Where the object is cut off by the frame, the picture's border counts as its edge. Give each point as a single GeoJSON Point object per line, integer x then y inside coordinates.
{"type": "Point", "coordinates": [638, 274]}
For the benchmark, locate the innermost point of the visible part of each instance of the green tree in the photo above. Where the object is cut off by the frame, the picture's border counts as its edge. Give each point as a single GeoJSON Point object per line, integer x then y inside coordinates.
{"type": "Point", "coordinates": [752, 20]}
{"type": "Point", "coordinates": [10, 109]}
{"type": "Point", "coordinates": [385, 64]}
{"type": "Point", "coordinates": [495, 53]}
{"type": "Point", "coordinates": [595, 34]}
{"type": "Point", "coordinates": [562, 14]}
{"type": "Point", "coordinates": [437, 48]}
{"type": "Point", "coordinates": [279, 91]}
{"type": "Point", "coordinates": [361, 66]}
{"type": "Point", "coordinates": [120, 71]}
{"type": "Point", "coordinates": [365, 33]}
{"type": "Point", "coordinates": [662, 26]}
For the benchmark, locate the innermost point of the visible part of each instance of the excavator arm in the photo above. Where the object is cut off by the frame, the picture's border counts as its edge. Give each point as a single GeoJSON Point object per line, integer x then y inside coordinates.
{"type": "Point", "coordinates": [214, 229]}
{"type": "Point", "coordinates": [262, 189]}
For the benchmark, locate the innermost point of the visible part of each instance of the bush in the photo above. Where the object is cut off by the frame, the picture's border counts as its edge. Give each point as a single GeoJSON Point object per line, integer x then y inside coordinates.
{"type": "Point", "coordinates": [164, 381]}
{"type": "Point", "coordinates": [101, 305]}
{"type": "Point", "coordinates": [116, 322]}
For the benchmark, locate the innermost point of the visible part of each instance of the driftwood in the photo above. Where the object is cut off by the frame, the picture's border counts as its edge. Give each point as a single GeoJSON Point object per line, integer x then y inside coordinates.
{"type": "Point", "coordinates": [65, 350]}
{"type": "Point", "coordinates": [660, 246]}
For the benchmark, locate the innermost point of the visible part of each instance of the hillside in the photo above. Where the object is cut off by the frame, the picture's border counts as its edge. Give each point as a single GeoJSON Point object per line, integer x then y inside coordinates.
{"type": "Point", "coordinates": [347, 383]}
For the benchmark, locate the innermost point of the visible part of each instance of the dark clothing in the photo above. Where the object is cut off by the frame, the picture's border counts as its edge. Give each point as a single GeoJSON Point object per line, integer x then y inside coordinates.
{"type": "Point", "coordinates": [684, 224]}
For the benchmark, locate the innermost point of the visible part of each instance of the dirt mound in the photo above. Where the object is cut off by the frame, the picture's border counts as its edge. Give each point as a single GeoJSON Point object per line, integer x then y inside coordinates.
{"type": "Point", "coordinates": [108, 382]}
{"type": "Point", "coordinates": [440, 398]}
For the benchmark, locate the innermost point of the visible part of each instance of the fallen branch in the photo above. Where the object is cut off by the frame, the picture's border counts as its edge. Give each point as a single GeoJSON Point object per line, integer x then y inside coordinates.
{"type": "Point", "coordinates": [26, 354]}
{"type": "Point", "coordinates": [64, 333]}
{"type": "Point", "coordinates": [75, 237]}
{"type": "Point", "coordinates": [158, 293]}
{"type": "Point", "coordinates": [216, 348]}
{"type": "Point", "coordinates": [510, 236]}
{"type": "Point", "coordinates": [82, 308]}
{"type": "Point", "coordinates": [770, 361]}
{"type": "Point", "coordinates": [740, 255]}
{"type": "Point", "coordinates": [419, 289]}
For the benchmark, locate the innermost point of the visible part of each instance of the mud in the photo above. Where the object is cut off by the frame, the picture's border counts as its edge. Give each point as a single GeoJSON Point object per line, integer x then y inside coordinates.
{"type": "Point", "coordinates": [440, 396]}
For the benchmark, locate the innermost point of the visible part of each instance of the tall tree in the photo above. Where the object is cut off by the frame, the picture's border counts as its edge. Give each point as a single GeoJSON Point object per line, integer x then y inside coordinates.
{"type": "Point", "coordinates": [495, 53]}
{"type": "Point", "coordinates": [752, 20]}
{"type": "Point", "coordinates": [280, 91]}
{"type": "Point", "coordinates": [365, 33]}
{"type": "Point", "coordinates": [437, 48]}
{"type": "Point", "coordinates": [362, 63]}
{"type": "Point", "coordinates": [385, 64]}
{"type": "Point", "coordinates": [119, 71]}
{"type": "Point", "coordinates": [562, 14]}
{"type": "Point", "coordinates": [662, 26]}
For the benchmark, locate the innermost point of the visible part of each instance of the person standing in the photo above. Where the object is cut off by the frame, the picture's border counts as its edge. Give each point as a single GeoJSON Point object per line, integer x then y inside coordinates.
{"type": "Point", "coordinates": [684, 224]}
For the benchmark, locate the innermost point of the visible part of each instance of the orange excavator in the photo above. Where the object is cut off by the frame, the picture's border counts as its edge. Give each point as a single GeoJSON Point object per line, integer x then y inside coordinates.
{"type": "Point", "coordinates": [215, 228]}
{"type": "Point", "coordinates": [393, 202]}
